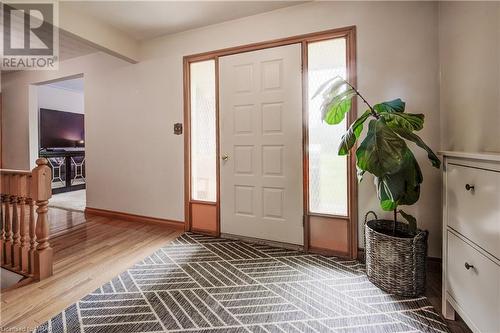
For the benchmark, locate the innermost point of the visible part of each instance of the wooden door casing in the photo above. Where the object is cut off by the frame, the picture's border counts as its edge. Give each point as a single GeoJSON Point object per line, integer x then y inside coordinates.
{"type": "Point", "coordinates": [321, 232]}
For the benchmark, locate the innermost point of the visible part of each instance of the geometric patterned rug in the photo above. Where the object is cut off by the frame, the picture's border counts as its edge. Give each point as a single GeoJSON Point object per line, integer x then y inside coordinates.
{"type": "Point", "coordinates": [204, 284]}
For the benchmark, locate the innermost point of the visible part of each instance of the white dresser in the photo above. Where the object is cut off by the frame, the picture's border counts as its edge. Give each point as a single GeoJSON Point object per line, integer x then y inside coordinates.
{"type": "Point", "coordinates": [471, 239]}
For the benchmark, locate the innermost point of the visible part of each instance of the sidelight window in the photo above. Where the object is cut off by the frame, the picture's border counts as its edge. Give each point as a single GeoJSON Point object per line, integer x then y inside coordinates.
{"type": "Point", "coordinates": [203, 131]}
{"type": "Point", "coordinates": [328, 189]}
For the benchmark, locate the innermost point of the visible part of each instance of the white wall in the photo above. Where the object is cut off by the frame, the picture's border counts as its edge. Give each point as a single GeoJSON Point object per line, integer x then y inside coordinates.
{"type": "Point", "coordinates": [469, 49]}
{"type": "Point", "coordinates": [397, 56]}
{"type": "Point", "coordinates": [136, 164]}
{"type": "Point", "coordinates": [60, 99]}
{"type": "Point", "coordinates": [20, 103]}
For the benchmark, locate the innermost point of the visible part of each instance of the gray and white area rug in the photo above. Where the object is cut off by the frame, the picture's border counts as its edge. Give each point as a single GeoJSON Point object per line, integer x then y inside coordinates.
{"type": "Point", "coordinates": [204, 284]}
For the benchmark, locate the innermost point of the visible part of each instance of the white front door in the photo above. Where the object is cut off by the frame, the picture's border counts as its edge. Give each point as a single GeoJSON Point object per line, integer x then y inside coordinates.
{"type": "Point", "coordinates": [261, 144]}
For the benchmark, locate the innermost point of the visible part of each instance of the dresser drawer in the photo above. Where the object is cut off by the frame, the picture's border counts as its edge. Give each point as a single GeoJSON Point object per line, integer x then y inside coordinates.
{"type": "Point", "coordinates": [474, 212]}
{"type": "Point", "coordinates": [477, 289]}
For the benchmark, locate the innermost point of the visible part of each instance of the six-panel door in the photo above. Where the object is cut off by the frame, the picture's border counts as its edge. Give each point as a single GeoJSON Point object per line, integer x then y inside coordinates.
{"type": "Point", "coordinates": [261, 144]}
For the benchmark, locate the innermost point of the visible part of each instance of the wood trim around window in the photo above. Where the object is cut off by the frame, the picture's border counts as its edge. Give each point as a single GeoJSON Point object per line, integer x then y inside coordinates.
{"type": "Point", "coordinates": [187, 143]}
{"type": "Point", "coordinates": [347, 224]}
{"type": "Point", "coordinates": [1, 131]}
{"type": "Point", "coordinates": [352, 171]}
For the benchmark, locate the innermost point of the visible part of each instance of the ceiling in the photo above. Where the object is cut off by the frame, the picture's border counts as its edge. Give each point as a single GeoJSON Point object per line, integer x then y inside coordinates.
{"type": "Point", "coordinates": [72, 84]}
{"type": "Point", "coordinates": [149, 19]}
{"type": "Point", "coordinates": [72, 47]}
{"type": "Point", "coordinates": [69, 47]}
{"type": "Point", "coordinates": [144, 20]}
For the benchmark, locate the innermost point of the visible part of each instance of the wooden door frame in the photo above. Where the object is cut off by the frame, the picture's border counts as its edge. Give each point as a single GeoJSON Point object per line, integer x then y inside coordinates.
{"type": "Point", "coordinates": [1, 132]}
{"type": "Point", "coordinates": [349, 33]}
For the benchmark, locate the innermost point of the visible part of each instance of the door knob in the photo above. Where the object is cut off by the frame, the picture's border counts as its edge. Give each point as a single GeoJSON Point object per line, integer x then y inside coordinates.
{"type": "Point", "coordinates": [225, 157]}
{"type": "Point", "coordinates": [468, 266]}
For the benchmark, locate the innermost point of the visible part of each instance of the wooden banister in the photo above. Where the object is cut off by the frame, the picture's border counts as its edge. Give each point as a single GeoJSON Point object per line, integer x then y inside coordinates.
{"type": "Point", "coordinates": [16, 243]}
{"type": "Point", "coordinates": [25, 246]}
{"type": "Point", "coordinates": [23, 239]}
{"type": "Point", "coordinates": [15, 172]}
{"type": "Point", "coordinates": [8, 220]}
{"type": "Point", "coordinates": [42, 191]}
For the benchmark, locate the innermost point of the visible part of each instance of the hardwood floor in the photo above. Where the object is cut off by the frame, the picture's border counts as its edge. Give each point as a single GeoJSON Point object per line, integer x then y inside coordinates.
{"type": "Point", "coordinates": [61, 220]}
{"type": "Point", "coordinates": [93, 251]}
{"type": "Point", "coordinates": [85, 257]}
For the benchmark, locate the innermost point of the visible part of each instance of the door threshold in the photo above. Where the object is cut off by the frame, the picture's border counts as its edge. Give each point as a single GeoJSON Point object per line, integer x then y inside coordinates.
{"type": "Point", "coordinates": [268, 242]}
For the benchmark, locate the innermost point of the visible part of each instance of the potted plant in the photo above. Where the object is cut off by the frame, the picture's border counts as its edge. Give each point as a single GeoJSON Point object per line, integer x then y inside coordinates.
{"type": "Point", "coordinates": [395, 251]}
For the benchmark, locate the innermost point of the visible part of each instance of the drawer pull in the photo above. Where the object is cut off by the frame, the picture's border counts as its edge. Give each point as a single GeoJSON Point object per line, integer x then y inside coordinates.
{"type": "Point", "coordinates": [469, 187]}
{"type": "Point", "coordinates": [467, 266]}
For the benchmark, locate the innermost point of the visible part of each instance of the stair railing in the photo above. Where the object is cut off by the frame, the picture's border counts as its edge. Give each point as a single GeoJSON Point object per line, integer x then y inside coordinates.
{"type": "Point", "coordinates": [25, 247]}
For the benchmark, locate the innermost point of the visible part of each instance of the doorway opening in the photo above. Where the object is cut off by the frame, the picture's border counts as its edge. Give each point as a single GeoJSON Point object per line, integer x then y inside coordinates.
{"type": "Point", "coordinates": [61, 140]}
{"type": "Point", "coordinates": [255, 168]}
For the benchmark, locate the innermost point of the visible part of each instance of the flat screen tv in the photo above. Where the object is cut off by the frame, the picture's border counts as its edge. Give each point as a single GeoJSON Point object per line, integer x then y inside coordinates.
{"type": "Point", "coordinates": [59, 129]}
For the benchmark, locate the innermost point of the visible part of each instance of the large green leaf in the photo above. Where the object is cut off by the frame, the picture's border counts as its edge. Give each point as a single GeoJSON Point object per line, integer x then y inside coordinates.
{"type": "Point", "coordinates": [382, 151]}
{"type": "Point", "coordinates": [412, 176]}
{"type": "Point", "coordinates": [396, 105]}
{"type": "Point", "coordinates": [412, 221]}
{"type": "Point", "coordinates": [335, 112]}
{"type": "Point", "coordinates": [323, 87]}
{"type": "Point", "coordinates": [408, 135]}
{"type": "Point", "coordinates": [401, 187]}
{"type": "Point", "coordinates": [360, 173]}
{"type": "Point", "coordinates": [409, 121]}
{"type": "Point", "coordinates": [337, 95]}
{"type": "Point", "coordinates": [349, 138]}
{"type": "Point", "coordinates": [330, 87]}
{"type": "Point", "coordinates": [387, 201]}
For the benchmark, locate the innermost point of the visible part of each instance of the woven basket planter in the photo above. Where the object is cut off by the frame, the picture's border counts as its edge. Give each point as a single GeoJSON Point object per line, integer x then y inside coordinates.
{"type": "Point", "coordinates": [395, 264]}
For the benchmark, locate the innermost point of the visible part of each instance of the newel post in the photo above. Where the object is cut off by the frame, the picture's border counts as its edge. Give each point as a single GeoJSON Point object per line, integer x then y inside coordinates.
{"type": "Point", "coordinates": [42, 191]}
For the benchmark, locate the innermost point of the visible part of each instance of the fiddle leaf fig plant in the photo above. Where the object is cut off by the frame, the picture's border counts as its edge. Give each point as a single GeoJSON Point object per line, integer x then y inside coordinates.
{"type": "Point", "coordinates": [384, 151]}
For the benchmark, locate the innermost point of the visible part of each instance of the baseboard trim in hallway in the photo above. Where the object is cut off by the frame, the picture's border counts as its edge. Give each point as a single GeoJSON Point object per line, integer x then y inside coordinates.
{"type": "Point", "coordinates": [178, 225]}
